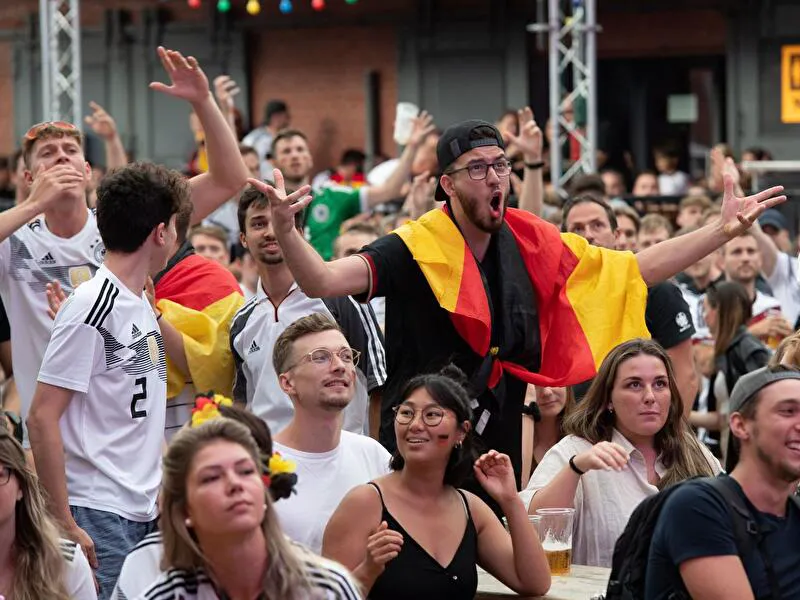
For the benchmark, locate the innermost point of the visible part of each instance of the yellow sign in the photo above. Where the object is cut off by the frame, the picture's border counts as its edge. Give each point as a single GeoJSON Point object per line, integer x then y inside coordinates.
{"type": "Point", "coordinates": [790, 84]}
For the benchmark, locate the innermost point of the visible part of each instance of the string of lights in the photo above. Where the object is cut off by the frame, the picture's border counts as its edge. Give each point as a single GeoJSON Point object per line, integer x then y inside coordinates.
{"type": "Point", "coordinates": [253, 7]}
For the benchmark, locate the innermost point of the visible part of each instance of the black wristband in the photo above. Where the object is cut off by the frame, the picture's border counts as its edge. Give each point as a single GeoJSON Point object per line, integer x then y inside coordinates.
{"type": "Point", "coordinates": [573, 466]}
{"type": "Point", "coordinates": [536, 165]}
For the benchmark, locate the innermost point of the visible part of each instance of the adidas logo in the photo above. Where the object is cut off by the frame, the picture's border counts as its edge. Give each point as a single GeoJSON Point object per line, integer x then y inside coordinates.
{"type": "Point", "coordinates": [47, 259]}
{"type": "Point", "coordinates": [135, 331]}
{"type": "Point", "coordinates": [254, 347]}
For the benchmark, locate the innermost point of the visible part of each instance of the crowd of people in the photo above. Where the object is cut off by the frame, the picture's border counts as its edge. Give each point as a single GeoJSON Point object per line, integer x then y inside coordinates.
{"type": "Point", "coordinates": [253, 380]}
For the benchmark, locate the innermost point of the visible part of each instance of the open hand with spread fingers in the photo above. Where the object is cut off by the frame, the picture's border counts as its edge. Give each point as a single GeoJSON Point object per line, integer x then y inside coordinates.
{"type": "Point", "coordinates": [225, 89]}
{"type": "Point", "coordinates": [188, 81]}
{"type": "Point", "coordinates": [740, 212]}
{"type": "Point", "coordinates": [529, 140]}
{"type": "Point", "coordinates": [55, 298]}
{"type": "Point", "coordinates": [284, 206]}
{"type": "Point", "coordinates": [422, 125]}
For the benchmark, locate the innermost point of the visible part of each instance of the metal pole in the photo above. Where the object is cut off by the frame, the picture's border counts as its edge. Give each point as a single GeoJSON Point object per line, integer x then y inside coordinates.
{"type": "Point", "coordinates": [554, 22]}
{"type": "Point", "coordinates": [591, 74]}
{"type": "Point", "coordinates": [44, 51]}
{"type": "Point", "coordinates": [77, 98]}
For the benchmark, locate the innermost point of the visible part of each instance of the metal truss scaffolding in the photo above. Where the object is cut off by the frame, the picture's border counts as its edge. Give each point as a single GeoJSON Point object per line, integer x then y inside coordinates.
{"type": "Point", "coordinates": [60, 32]}
{"type": "Point", "coordinates": [572, 30]}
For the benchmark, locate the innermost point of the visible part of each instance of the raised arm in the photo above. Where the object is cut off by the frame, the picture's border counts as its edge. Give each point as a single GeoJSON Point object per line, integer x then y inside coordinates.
{"type": "Point", "coordinates": [317, 278]}
{"type": "Point", "coordinates": [662, 261]}
{"type": "Point", "coordinates": [392, 187]}
{"type": "Point", "coordinates": [103, 125]}
{"type": "Point", "coordinates": [225, 89]}
{"type": "Point", "coordinates": [531, 198]}
{"type": "Point", "coordinates": [227, 173]}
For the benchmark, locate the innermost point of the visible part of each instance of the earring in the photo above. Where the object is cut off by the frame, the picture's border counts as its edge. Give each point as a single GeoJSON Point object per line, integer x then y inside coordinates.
{"type": "Point", "coordinates": [187, 522]}
{"type": "Point", "coordinates": [611, 409]}
{"type": "Point", "coordinates": [458, 444]}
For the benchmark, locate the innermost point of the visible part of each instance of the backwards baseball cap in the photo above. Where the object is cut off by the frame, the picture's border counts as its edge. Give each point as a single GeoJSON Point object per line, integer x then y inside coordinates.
{"type": "Point", "coordinates": [749, 385]}
{"type": "Point", "coordinates": [459, 139]}
{"type": "Point", "coordinates": [773, 218]}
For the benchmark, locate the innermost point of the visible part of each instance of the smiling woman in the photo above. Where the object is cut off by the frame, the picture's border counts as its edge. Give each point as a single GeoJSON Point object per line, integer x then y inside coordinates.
{"type": "Point", "coordinates": [413, 533]}
{"type": "Point", "coordinates": [626, 440]}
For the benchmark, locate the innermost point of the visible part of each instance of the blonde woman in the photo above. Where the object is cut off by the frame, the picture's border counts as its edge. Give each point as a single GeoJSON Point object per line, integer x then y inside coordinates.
{"type": "Point", "coordinates": [222, 539]}
{"type": "Point", "coordinates": [34, 563]}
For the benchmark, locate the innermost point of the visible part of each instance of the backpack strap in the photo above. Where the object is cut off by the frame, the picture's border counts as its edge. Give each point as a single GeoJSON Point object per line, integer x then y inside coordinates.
{"type": "Point", "coordinates": [745, 528]}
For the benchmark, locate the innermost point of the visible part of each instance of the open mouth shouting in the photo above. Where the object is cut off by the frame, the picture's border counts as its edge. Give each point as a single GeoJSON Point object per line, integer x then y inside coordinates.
{"type": "Point", "coordinates": [496, 204]}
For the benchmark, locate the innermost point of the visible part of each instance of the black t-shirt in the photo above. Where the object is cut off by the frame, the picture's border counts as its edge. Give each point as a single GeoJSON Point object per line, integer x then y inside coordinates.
{"type": "Point", "coordinates": [421, 338]}
{"type": "Point", "coordinates": [696, 522]}
{"type": "Point", "coordinates": [668, 320]}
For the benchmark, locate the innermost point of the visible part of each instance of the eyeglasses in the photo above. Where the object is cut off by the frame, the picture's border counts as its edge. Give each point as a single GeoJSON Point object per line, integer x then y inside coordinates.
{"type": "Point", "coordinates": [431, 415]}
{"type": "Point", "coordinates": [34, 131]}
{"type": "Point", "coordinates": [5, 474]}
{"type": "Point", "coordinates": [324, 357]}
{"type": "Point", "coordinates": [479, 170]}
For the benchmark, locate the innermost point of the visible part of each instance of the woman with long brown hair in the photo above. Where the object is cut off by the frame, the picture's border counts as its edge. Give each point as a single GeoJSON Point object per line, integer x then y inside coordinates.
{"type": "Point", "coordinates": [221, 535]}
{"type": "Point", "coordinates": [34, 562]}
{"type": "Point", "coordinates": [727, 310]}
{"type": "Point", "coordinates": [627, 439]}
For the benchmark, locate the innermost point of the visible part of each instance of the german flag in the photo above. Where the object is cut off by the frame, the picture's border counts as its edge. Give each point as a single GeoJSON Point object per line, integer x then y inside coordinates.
{"type": "Point", "coordinates": [199, 298]}
{"type": "Point", "coordinates": [588, 299]}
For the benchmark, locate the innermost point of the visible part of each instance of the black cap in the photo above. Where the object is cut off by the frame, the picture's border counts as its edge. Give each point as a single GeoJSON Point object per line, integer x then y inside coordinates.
{"type": "Point", "coordinates": [457, 140]}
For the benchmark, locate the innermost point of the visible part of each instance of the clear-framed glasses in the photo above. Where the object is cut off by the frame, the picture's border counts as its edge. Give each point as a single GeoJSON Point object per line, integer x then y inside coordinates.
{"type": "Point", "coordinates": [431, 415]}
{"type": "Point", "coordinates": [5, 474]}
{"type": "Point", "coordinates": [323, 357]}
{"type": "Point", "coordinates": [479, 170]}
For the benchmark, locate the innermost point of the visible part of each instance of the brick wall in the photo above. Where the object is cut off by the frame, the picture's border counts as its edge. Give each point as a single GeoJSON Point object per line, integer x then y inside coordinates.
{"type": "Point", "coordinates": [320, 74]}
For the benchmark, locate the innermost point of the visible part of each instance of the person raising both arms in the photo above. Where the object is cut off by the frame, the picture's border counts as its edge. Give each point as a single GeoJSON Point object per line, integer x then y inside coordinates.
{"type": "Point", "coordinates": [506, 294]}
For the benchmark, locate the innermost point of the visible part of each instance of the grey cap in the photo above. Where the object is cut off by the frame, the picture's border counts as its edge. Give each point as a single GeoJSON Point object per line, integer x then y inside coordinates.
{"type": "Point", "coordinates": [752, 383]}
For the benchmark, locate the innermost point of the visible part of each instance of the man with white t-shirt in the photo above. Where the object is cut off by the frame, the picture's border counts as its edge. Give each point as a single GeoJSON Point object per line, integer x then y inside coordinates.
{"type": "Point", "coordinates": [278, 303]}
{"type": "Point", "coordinates": [53, 236]}
{"type": "Point", "coordinates": [779, 267]}
{"type": "Point", "coordinates": [317, 370]}
{"type": "Point", "coordinates": [97, 419]}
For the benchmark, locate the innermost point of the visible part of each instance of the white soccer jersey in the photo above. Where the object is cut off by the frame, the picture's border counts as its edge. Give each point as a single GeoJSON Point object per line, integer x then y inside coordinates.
{"type": "Point", "coordinates": [256, 328]}
{"type": "Point", "coordinates": [140, 569]}
{"type": "Point", "coordinates": [31, 258]}
{"type": "Point", "coordinates": [106, 346]}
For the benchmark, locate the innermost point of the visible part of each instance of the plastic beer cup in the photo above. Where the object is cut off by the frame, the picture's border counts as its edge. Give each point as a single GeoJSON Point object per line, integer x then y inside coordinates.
{"type": "Point", "coordinates": [555, 533]}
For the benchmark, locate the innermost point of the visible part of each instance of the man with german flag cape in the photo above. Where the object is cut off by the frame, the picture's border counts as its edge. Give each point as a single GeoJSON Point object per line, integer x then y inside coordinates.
{"type": "Point", "coordinates": [497, 291]}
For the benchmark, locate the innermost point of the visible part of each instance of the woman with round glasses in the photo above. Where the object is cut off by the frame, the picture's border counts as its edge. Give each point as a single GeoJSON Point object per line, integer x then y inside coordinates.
{"type": "Point", "coordinates": [413, 533]}
{"type": "Point", "coordinates": [34, 562]}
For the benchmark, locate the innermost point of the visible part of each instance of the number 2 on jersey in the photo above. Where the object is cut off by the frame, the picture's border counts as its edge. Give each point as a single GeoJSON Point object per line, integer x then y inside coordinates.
{"type": "Point", "coordinates": [135, 412]}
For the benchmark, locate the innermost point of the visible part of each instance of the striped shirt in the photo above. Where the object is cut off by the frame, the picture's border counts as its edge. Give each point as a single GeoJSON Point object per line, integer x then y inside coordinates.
{"type": "Point", "coordinates": [256, 328]}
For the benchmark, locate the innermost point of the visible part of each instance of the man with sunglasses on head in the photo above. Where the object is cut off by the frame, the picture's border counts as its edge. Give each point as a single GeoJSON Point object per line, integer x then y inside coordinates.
{"type": "Point", "coordinates": [495, 290]}
{"type": "Point", "coordinates": [54, 236]}
{"type": "Point", "coordinates": [317, 370]}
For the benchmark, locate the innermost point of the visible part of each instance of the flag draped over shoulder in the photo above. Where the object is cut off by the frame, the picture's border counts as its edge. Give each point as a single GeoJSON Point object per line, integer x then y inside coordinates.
{"type": "Point", "coordinates": [199, 298]}
{"type": "Point", "coordinates": [588, 299]}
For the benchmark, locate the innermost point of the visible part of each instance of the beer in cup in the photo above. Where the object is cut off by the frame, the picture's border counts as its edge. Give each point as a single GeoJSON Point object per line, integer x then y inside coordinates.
{"type": "Point", "coordinates": [555, 533]}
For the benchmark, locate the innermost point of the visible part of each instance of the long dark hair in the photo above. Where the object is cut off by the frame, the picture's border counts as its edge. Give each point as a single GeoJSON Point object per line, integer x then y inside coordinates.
{"type": "Point", "coordinates": [681, 453]}
{"type": "Point", "coordinates": [734, 310]}
{"type": "Point", "coordinates": [448, 388]}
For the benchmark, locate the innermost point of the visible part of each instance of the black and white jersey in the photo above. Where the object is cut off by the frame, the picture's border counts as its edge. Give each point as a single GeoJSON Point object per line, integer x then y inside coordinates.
{"type": "Point", "coordinates": [106, 346]}
{"type": "Point", "coordinates": [255, 330]}
{"type": "Point", "coordinates": [30, 258]}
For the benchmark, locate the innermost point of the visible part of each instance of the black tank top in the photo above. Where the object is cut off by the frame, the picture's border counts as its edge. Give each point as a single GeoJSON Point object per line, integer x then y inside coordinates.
{"type": "Point", "coordinates": [414, 573]}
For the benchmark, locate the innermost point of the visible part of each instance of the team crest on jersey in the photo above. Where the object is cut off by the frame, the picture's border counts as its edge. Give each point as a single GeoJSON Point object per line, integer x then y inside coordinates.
{"type": "Point", "coordinates": [99, 252]}
{"type": "Point", "coordinates": [321, 213]}
{"type": "Point", "coordinates": [152, 349]}
{"type": "Point", "coordinates": [35, 224]}
{"type": "Point", "coordinates": [79, 275]}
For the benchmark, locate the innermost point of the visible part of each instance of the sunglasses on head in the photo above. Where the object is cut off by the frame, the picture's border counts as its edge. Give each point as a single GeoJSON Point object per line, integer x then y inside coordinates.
{"type": "Point", "coordinates": [34, 131]}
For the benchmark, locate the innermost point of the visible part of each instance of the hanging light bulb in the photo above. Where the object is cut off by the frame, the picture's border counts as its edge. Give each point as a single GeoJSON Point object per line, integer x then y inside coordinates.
{"type": "Point", "coordinates": [318, 4]}
{"type": "Point", "coordinates": [285, 6]}
{"type": "Point", "coordinates": [351, 1]}
{"type": "Point", "coordinates": [194, 3]}
{"type": "Point", "coordinates": [253, 7]}
{"type": "Point", "coordinates": [223, 6]}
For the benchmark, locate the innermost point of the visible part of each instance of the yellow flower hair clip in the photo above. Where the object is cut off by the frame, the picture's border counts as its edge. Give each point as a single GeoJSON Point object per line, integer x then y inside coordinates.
{"type": "Point", "coordinates": [206, 407]}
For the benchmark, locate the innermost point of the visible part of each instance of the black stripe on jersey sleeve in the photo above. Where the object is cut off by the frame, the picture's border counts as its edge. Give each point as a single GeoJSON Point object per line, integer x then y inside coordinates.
{"type": "Point", "coordinates": [149, 540]}
{"type": "Point", "coordinates": [100, 298]}
{"type": "Point", "coordinates": [331, 580]}
{"type": "Point", "coordinates": [108, 310]}
{"type": "Point", "coordinates": [68, 549]}
{"type": "Point", "coordinates": [176, 581]}
{"type": "Point", "coordinates": [237, 327]}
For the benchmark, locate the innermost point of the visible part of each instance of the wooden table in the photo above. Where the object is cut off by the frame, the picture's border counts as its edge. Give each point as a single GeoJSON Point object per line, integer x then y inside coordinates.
{"type": "Point", "coordinates": [581, 584]}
